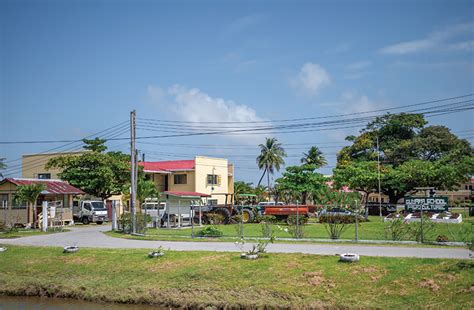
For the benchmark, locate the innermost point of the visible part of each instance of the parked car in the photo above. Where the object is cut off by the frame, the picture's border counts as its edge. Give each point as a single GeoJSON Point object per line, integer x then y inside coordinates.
{"type": "Point", "coordinates": [270, 203]}
{"type": "Point", "coordinates": [334, 211]}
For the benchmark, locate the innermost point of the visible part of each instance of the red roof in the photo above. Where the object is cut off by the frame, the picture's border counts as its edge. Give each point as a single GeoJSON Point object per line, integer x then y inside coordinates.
{"type": "Point", "coordinates": [168, 166]}
{"type": "Point", "coordinates": [186, 194]}
{"type": "Point", "coordinates": [53, 187]}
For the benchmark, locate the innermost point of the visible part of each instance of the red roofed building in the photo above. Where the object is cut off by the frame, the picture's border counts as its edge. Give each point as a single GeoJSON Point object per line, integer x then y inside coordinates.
{"type": "Point", "coordinates": [17, 212]}
{"type": "Point", "coordinates": [202, 176]}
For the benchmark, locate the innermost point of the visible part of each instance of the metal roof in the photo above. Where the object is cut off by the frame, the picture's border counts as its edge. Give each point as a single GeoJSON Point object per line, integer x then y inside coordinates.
{"type": "Point", "coordinates": [186, 194]}
{"type": "Point", "coordinates": [167, 166]}
{"type": "Point", "coordinates": [53, 186]}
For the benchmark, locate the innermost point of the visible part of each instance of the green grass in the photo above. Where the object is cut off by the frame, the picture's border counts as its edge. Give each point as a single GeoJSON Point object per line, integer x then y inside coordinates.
{"type": "Point", "coordinates": [372, 230]}
{"type": "Point", "coordinates": [18, 233]}
{"type": "Point", "coordinates": [210, 279]}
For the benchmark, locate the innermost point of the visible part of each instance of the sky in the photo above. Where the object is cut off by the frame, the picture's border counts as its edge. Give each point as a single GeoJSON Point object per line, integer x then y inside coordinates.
{"type": "Point", "coordinates": [69, 69]}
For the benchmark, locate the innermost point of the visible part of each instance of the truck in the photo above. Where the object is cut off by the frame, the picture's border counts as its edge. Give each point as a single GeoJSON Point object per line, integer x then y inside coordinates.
{"type": "Point", "coordinates": [89, 211]}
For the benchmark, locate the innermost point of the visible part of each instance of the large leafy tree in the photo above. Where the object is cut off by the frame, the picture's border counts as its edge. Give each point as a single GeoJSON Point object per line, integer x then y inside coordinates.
{"type": "Point", "coordinates": [97, 173]}
{"type": "Point", "coordinates": [301, 181]}
{"type": "Point", "coordinates": [412, 155]}
{"type": "Point", "coordinates": [314, 157]}
{"type": "Point", "coordinates": [270, 158]}
{"type": "Point", "coordinates": [30, 194]}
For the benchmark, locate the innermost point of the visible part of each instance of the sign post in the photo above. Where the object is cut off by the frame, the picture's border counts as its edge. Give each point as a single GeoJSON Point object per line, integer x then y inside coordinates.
{"type": "Point", "coordinates": [436, 204]}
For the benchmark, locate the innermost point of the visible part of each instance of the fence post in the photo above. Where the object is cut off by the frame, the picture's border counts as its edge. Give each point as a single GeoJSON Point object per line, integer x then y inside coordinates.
{"type": "Point", "coordinates": [45, 216]}
{"type": "Point", "coordinates": [356, 221]}
{"type": "Point", "coordinates": [297, 220]}
{"type": "Point", "coordinates": [114, 215]}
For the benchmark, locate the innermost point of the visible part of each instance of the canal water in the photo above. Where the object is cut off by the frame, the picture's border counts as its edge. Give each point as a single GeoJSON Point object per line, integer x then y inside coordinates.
{"type": "Point", "coordinates": [38, 303]}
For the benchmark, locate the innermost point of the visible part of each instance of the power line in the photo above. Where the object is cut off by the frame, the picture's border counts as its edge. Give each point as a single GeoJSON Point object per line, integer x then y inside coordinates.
{"type": "Point", "coordinates": [317, 117]}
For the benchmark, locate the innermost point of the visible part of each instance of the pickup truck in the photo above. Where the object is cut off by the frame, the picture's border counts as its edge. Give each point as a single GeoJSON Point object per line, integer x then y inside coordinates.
{"type": "Point", "coordinates": [89, 211]}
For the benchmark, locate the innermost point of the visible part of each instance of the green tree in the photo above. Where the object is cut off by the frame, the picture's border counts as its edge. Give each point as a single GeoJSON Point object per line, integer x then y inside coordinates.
{"type": "Point", "coordinates": [301, 180]}
{"type": "Point", "coordinates": [314, 157]}
{"type": "Point", "coordinates": [270, 158]}
{"type": "Point", "coordinates": [95, 145]}
{"type": "Point", "coordinates": [411, 155]}
{"type": "Point", "coordinates": [96, 173]}
{"type": "Point", "coordinates": [30, 194]}
{"type": "Point", "coordinates": [240, 188]}
{"type": "Point", "coordinates": [146, 189]}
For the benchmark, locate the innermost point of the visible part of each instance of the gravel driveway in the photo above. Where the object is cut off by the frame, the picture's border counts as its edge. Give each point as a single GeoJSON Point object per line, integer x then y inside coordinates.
{"type": "Point", "coordinates": [92, 236]}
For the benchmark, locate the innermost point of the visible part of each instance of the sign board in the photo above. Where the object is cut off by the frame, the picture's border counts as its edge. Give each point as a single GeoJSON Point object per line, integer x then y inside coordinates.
{"type": "Point", "coordinates": [437, 204]}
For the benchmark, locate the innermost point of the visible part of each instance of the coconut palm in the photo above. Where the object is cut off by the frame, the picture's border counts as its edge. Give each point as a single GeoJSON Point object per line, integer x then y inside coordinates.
{"type": "Point", "coordinates": [314, 157]}
{"type": "Point", "coordinates": [30, 194]}
{"type": "Point", "coordinates": [270, 158]}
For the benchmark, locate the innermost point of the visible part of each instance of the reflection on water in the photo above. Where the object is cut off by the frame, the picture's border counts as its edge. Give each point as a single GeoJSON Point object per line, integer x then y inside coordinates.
{"type": "Point", "coordinates": [37, 303]}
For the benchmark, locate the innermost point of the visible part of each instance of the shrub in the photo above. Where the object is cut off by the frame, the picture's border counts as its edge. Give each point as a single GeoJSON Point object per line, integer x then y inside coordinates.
{"type": "Point", "coordinates": [415, 231]}
{"type": "Point", "coordinates": [296, 225]}
{"type": "Point", "coordinates": [265, 218]}
{"type": "Point", "coordinates": [267, 230]}
{"type": "Point", "coordinates": [125, 223]}
{"type": "Point", "coordinates": [215, 218]}
{"type": "Point", "coordinates": [442, 238]}
{"type": "Point", "coordinates": [210, 231]}
{"type": "Point", "coordinates": [396, 230]}
{"type": "Point", "coordinates": [336, 224]}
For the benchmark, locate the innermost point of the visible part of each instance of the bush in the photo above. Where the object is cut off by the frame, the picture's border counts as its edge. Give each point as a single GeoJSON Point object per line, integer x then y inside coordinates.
{"type": "Point", "coordinates": [210, 231]}
{"type": "Point", "coordinates": [215, 218]}
{"type": "Point", "coordinates": [397, 229]}
{"type": "Point", "coordinates": [296, 225]}
{"type": "Point", "coordinates": [442, 238]}
{"type": "Point", "coordinates": [414, 229]}
{"type": "Point", "coordinates": [336, 224]}
{"type": "Point", "coordinates": [267, 230]}
{"type": "Point", "coordinates": [265, 218]}
{"type": "Point", "coordinates": [125, 223]}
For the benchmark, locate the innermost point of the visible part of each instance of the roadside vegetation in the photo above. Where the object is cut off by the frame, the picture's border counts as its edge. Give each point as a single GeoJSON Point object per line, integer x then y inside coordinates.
{"type": "Point", "coordinates": [214, 280]}
{"type": "Point", "coordinates": [374, 229]}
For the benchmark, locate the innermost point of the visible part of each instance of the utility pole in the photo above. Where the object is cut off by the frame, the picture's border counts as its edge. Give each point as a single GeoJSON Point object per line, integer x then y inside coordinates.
{"type": "Point", "coordinates": [133, 188]}
{"type": "Point", "coordinates": [378, 168]}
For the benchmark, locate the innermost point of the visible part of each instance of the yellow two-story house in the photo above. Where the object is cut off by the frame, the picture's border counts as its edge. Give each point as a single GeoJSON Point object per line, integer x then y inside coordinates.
{"type": "Point", "coordinates": [201, 175]}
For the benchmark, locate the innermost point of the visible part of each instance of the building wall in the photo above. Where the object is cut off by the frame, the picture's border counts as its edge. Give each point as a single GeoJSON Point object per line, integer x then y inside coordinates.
{"type": "Point", "coordinates": [190, 182]}
{"type": "Point", "coordinates": [217, 166]}
{"type": "Point", "coordinates": [34, 164]}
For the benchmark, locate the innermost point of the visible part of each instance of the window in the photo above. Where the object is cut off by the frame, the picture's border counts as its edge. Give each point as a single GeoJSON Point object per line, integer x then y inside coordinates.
{"type": "Point", "coordinates": [3, 200]}
{"type": "Point", "coordinates": [44, 176]}
{"type": "Point", "coordinates": [213, 179]}
{"type": "Point", "coordinates": [212, 202]}
{"type": "Point", "coordinates": [87, 206]}
{"type": "Point", "coordinates": [180, 179]}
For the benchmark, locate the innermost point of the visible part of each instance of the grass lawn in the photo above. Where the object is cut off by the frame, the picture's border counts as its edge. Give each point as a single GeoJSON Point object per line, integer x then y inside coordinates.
{"type": "Point", "coordinates": [372, 230]}
{"type": "Point", "coordinates": [209, 279]}
{"type": "Point", "coordinates": [26, 233]}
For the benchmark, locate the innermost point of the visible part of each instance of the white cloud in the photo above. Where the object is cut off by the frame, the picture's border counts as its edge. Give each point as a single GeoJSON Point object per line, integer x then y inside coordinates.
{"type": "Point", "coordinates": [311, 79]}
{"type": "Point", "coordinates": [440, 39]}
{"type": "Point", "coordinates": [194, 105]}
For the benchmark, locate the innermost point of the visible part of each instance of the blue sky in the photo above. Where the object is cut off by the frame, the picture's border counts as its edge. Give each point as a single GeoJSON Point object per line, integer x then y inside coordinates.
{"type": "Point", "coordinates": [72, 68]}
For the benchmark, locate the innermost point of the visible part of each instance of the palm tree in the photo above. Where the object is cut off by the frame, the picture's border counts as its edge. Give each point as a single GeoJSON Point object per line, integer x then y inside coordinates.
{"type": "Point", "coordinates": [30, 193]}
{"type": "Point", "coordinates": [270, 158]}
{"type": "Point", "coordinates": [314, 157]}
